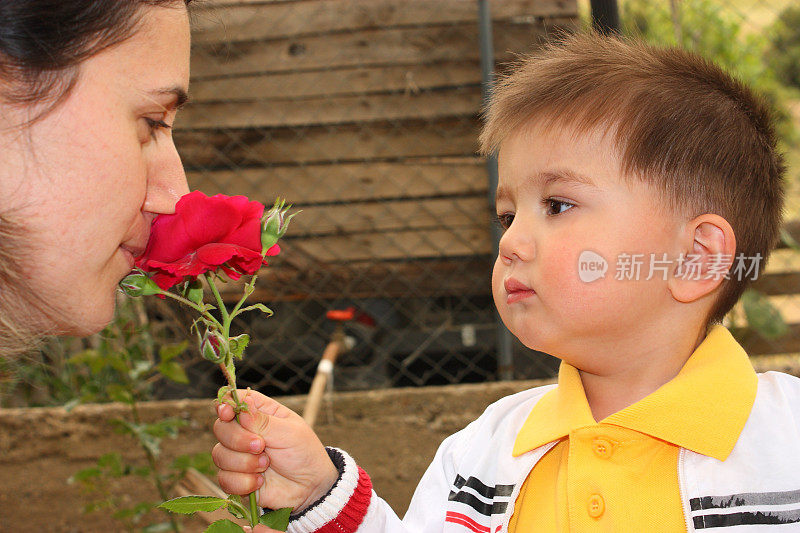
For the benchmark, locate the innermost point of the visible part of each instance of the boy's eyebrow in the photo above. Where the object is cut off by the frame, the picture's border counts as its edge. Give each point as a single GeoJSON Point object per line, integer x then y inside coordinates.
{"type": "Point", "coordinates": [564, 175]}
{"type": "Point", "coordinates": [180, 96]}
{"type": "Point", "coordinates": [547, 177]}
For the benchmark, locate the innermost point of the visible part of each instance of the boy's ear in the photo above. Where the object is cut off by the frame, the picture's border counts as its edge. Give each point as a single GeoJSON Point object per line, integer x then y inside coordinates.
{"type": "Point", "coordinates": [708, 245]}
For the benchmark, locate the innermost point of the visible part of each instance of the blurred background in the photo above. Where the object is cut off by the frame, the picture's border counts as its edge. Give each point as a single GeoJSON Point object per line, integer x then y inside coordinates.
{"type": "Point", "coordinates": [364, 114]}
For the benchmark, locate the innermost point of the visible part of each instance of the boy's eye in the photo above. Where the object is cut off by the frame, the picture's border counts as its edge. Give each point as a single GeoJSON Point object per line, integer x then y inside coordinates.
{"type": "Point", "coordinates": [554, 207]}
{"type": "Point", "coordinates": [504, 220]}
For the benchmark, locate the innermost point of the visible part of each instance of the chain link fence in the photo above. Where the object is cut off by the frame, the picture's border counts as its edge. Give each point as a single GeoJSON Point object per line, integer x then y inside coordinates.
{"type": "Point", "coordinates": [364, 115]}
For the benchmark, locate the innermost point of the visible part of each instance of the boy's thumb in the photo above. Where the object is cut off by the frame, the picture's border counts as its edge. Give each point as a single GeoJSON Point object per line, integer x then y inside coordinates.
{"type": "Point", "coordinates": [254, 421]}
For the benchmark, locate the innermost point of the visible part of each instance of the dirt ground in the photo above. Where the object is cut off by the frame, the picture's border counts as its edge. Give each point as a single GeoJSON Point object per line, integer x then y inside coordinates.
{"type": "Point", "coordinates": [393, 434]}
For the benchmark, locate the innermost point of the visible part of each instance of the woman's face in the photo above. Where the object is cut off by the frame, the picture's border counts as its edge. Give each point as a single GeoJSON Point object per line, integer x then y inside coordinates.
{"type": "Point", "coordinates": [87, 180]}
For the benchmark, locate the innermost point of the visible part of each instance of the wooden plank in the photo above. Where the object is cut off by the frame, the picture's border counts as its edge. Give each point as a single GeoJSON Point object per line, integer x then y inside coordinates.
{"type": "Point", "coordinates": [408, 79]}
{"type": "Point", "coordinates": [219, 22]}
{"type": "Point", "coordinates": [778, 283]}
{"type": "Point", "coordinates": [333, 110]}
{"type": "Point", "coordinates": [425, 214]}
{"type": "Point", "coordinates": [754, 343]}
{"type": "Point", "coordinates": [250, 147]}
{"type": "Point", "coordinates": [428, 44]}
{"type": "Point", "coordinates": [348, 182]}
{"type": "Point", "coordinates": [389, 246]}
{"type": "Point", "coordinates": [277, 283]}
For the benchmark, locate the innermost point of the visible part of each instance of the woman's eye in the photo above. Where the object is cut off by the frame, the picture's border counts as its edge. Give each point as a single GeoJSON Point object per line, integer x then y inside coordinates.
{"type": "Point", "coordinates": [554, 207]}
{"type": "Point", "coordinates": [155, 125]}
{"type": "Point", "coordinates": [504, 220]}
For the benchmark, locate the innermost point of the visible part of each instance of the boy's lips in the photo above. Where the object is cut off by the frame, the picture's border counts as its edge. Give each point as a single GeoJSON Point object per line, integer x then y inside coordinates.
{"type": "Point", "coordinates": [516, 290]}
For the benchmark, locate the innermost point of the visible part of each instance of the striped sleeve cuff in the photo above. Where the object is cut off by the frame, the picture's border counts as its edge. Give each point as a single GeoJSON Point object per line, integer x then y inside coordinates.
{"type": "Point", "coordinates": [341, 510]}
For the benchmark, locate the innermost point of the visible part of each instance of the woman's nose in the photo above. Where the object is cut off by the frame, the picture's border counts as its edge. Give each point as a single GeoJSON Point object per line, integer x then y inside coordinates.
{"type": "Point", "coordinates": [166, 183]}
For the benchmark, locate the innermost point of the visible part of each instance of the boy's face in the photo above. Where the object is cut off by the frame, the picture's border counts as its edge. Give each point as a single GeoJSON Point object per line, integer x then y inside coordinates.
{"type": "Point", "coordinates": [559, 234]}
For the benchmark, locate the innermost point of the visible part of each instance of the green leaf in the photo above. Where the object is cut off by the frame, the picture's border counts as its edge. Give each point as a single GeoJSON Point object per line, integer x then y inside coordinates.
{"type": "Point", "coordinates": [201, 462]}
{"type": "Point", "coordinates": [224, 526]}
{"type": "Point", "coordinates": [140, 368]}
{"type": "Point", "coordinates": [238, 344]}
{"type": "Point", "coordinates": [237, 513]}
{"type": "Point", "coordinates": [151, 443]}
{"type": "Point", "coordinates": [165, 428]}
{"type": "Point", "coordinates": [788, 240]}
{"type": "Point", "coordinates": [193, 504]}
{"type": "Point", "coordinates": [85, 474]}
{"type": "Point", "coordinates": [161, 527]}
{"type": "Point", "coordinates": [762, 316]}
{"type": "Point", "coordinates": [168, 352]}
{"type": "Point", "coordinates": [119, 393]}
{"type": "Point", "coordinates": [173, 371]}
{"type": "Point", "coordinates": [194, 292]}
{"type": "Point", "coordinates": [225, 389]}
{"type": "Point", "coordinates": [113, 463]}
{"type": "Point", "coordinates": [278, 519]}
{"type": "Point", "coordinates": [261, 307]}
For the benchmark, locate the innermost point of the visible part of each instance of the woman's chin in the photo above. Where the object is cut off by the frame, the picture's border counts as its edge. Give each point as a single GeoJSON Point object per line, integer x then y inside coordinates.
{"type": "Point", "coordinates": [93, 317]}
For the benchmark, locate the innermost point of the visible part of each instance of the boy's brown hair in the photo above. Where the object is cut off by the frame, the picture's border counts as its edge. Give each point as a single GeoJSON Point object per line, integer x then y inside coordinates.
{"type": "Point", "coordinates": [701, 137]}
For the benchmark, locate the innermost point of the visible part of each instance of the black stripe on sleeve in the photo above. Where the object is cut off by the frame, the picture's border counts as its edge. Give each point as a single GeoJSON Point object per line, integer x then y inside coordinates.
{"type": "Point", "coordinates": [747, 498]}
{"type": "Point", "coordinates": [482, 507]}
{"type": "Point", "coordinates": [746, 519]}
{"type": "Point", "coordinates": [484, 490]}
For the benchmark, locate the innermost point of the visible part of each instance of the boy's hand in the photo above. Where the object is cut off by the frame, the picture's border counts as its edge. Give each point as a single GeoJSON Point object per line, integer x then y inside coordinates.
{"type": "Point", "coordinates": [273, 450]}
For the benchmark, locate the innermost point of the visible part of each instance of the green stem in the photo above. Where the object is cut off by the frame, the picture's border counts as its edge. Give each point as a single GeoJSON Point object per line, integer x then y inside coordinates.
{"type": "Point", "coordinates": [229, 372]}
{"type": "Point", "coordinates": [151, 460]}
{"type": "Point", "coordinates": [193, 306]}
{"type": "Point", "coordinates": [254, 516]}
{"type": "Point", "coordinates": [222, 309]}
{"type": "Point", "coordinates": [244, 298]}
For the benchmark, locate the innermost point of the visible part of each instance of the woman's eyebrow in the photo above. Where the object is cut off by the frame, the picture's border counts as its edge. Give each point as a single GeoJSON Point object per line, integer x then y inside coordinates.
{"type": "Point", "coordinates": [179, 96]}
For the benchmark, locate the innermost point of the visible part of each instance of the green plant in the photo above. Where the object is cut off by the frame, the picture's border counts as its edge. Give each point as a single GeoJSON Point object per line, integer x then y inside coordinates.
{"type": "Point", "coordinates": [783, 53]}
{"type": "Point", "coordinates": [705, 27]}
{"type": "Point", "coordinates": [122, 367]}
{"type": "Point", "coordinates": [207, 240]}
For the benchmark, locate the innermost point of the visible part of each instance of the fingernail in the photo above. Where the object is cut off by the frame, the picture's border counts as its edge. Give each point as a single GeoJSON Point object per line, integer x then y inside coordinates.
{"type": "Point", "coordinates": [260, 481]}
{"type": "Point", "coordinates": [256, 445]}
{"type": "Point", "coordinates": [262, 461]}
{"type": "Point", "coordinates": [219, 410]}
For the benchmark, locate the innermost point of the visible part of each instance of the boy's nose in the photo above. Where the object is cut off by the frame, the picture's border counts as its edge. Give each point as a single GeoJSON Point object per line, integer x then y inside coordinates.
{"type": "Point", "coordinates": [516, 244]}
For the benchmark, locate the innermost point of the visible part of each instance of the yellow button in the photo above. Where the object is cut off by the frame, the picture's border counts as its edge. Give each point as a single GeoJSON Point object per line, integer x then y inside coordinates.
{"type": "Point", "coordinates": [603, 448]}
{"type": "Point", "coordinates": [596, 506]}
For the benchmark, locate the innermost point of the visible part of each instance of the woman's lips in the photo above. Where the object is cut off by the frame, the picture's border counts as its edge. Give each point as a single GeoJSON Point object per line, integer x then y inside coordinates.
{"type": "Point", "coordinates": [129, 256]}
{"type": "Point", "coordinates": [516, 290]}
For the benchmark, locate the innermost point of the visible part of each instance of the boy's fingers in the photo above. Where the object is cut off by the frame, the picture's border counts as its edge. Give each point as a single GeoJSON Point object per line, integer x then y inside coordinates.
{"type": "Point", "coordinates": [243, 462]}
{"type": "Point", "coordinates": [256, 400]}
{"type": "Point", "coordinates": [225, 412]}
{"type": "Point", "coordinates": [235, 437]}
{"type": "Point", "coordinates": [238, 483]}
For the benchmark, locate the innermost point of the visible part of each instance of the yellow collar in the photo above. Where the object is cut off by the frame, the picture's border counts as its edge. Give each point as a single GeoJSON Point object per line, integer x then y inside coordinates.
{"type": "Point", "coordinates": [703, 408]}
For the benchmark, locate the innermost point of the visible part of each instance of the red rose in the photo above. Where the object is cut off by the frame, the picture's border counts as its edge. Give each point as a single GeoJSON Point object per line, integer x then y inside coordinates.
{"type": "Point", "coordinates": [205, 234]}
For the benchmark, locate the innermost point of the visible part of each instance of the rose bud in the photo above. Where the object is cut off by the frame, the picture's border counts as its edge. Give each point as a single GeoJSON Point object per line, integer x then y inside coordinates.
{"type": "Point", "coordinates": [139, 285]}
{"type": "Point", "coordinates": [274, 224]}
{"type": "Point", "coordinates": [214, 346]}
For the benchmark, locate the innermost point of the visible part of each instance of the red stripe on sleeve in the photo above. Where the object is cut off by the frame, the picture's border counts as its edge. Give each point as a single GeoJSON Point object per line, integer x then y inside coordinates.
{"type": "Point", "coordinates": [354, 511]}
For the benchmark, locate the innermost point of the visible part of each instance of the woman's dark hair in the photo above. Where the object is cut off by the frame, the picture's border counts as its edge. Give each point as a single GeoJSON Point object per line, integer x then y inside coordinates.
{"type": "Point", "coordinates": [42, 42]}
